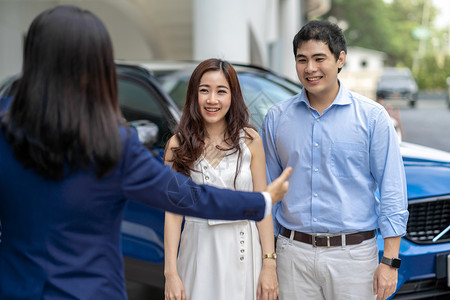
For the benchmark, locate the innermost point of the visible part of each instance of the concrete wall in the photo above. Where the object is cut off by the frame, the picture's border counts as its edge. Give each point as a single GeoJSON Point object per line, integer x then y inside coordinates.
{"type": "Point", "coordinates": [130, 38]}
{"type": "Point", "coordinates": [259, 32]}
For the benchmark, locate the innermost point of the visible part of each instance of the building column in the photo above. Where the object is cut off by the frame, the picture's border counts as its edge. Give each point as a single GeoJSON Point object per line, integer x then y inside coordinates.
{"type": "Point", "coordinates": [291, 20]}
{"type": "Point", "coordinates": [220, 30]}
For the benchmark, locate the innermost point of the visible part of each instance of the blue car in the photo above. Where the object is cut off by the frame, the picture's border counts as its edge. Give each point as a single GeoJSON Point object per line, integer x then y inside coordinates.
{"type": "Point", "coordinates": [397, 85]}
{"type": "Point", "coordinates": [425, 250]}
{"type": "Point", "coordinates": [154, 93]}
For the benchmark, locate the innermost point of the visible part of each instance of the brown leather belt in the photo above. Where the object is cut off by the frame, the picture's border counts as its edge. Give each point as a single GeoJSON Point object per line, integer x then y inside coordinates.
{"type": "Point", "coordinates": [329, 241]}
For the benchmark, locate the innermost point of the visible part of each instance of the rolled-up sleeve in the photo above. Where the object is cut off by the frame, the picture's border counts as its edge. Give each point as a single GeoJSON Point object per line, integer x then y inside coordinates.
{"type": "Point", "coordinates": [387, 168]}
{"type": "Point", "coordinates": [273, 165]}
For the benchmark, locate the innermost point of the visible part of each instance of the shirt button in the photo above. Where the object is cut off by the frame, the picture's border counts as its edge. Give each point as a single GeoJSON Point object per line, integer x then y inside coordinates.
{"type": "Point", "coordinates": [242, 233]}
{"type": "Point", "coordinates": [206, 177]}
{"type": "Point", "coordinates": [241, 258]}
{"type": "Point", "coordinates": [242, 242]}
{"type": "Point", "coordinates": [317, 145]}
{"type": "Point", "coordinates": [205, 167]}
{"type": "Point", "coordinates": [315, 170]}
{"type": "Point", "coordinates": [242, 250]}
{"type": "Point", "coordinates": [318, 120]}
{"type": "Point", "coordinates": [315, 195]}
{"type": "Point", "coordinates": [315, 220]}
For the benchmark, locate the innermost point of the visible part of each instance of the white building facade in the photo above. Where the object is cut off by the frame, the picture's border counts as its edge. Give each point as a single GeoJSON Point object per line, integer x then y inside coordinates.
{"type": "Point", "coordinates": [258, 32]}
{"type": "Point", "coordinates": [362, 70]}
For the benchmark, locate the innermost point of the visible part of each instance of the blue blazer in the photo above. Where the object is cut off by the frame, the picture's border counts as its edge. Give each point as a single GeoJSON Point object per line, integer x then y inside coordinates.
{"type": "Point", "coordinates": [61, 239]}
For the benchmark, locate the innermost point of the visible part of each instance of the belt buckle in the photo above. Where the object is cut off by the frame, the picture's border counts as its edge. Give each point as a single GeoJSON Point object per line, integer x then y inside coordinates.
{"type": "Point", "coordinates": [314, 243]}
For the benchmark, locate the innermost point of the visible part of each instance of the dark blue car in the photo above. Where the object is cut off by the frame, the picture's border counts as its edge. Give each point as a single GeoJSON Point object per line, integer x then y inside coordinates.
{"type": "Point", "coordinates": [156, 92]}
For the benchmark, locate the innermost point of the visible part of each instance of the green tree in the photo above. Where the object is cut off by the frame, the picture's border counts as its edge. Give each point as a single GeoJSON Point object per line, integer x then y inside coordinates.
{"type": "Point", "coordinates": [406, 16]}
{"type": "Point", "coordinates": [446, 66]}
{"type": "Point", "coordinates": [427, 76]}
{"type": "Point", "coordinates": [388, 27]}
{"type": "Point", "coordinates": [367, 21]}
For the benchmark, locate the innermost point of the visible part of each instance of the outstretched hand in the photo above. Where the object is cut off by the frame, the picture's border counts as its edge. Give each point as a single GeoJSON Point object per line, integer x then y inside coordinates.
{"type": "Point", "coordinates": [279, 186]}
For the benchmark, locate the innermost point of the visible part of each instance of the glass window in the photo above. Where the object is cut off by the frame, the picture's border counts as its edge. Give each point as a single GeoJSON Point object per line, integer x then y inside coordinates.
{"type": "Point", "coordinates": [261, 92]}
{"type": "Point", "coordinates": [139, 102]}
{"type": "Point", "coordinates": [176, 87]}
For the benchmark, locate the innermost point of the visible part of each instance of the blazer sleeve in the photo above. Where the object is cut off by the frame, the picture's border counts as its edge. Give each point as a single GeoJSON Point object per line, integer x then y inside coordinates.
{"type": "Point", "coordinates": [147, 181]}
{"type": "Point", "coordinates": [5, 103]}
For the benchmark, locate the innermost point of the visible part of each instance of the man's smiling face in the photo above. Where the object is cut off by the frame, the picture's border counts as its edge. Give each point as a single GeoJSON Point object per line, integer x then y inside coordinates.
{"type": "Point", "coordinates": [317, 68]}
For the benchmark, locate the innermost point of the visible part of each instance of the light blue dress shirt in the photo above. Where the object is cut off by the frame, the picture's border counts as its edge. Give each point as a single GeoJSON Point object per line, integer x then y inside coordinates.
{"type": "Point", "coordinates": [339, 159]}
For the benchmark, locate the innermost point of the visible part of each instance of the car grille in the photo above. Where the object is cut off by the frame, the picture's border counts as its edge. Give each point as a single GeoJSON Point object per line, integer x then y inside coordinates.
{"type": "Point", "coordinates": [394, 94]}
{"type": "Point", "coordinates": [427, 218]}
{"type": "Point", "coordinates": [424, 289]}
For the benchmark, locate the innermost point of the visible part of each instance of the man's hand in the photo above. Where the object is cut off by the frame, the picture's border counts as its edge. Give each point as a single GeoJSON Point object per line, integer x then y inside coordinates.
{"type": "Point", "coordinates": [384, 281]}
{"type": "Point", "coordinates": [279, 186]}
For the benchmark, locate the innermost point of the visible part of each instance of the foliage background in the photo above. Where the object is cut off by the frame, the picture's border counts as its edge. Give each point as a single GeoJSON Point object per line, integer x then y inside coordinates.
{"type": "Point", "coordinates": [388, 26]}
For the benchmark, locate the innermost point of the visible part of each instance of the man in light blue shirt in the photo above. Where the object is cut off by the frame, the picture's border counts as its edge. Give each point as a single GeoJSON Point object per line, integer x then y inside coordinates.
{"type": "Point", "coordinates": [342, 147]}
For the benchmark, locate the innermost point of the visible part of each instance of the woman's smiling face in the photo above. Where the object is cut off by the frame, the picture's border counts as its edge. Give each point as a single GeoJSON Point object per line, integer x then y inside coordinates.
{"type": "Point", "coordinates": [214, 97]}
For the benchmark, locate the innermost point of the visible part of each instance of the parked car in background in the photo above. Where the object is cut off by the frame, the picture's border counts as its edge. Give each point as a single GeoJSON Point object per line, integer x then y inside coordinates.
{"type": "Point", "coordinates": [155, 92]}
{"type": "Point", "coordinates": [398, 86]}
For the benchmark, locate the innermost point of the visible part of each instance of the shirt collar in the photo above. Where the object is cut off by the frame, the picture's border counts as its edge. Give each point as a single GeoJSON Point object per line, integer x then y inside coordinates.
{"type": "Point", "coordinates": [342, 98]}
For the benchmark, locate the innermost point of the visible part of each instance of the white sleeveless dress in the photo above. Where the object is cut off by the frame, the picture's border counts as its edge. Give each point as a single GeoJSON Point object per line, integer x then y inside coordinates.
{"type": "Point", "coordinates": [221, 260]}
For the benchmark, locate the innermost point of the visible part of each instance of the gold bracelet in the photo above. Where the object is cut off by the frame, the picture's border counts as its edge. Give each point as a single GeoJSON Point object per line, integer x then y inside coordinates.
{"type": "Point", "coordinates": [270, 255]}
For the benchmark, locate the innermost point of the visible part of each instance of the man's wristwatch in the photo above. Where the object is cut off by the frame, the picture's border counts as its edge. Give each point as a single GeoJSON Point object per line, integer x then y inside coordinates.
{"type": "Point", "coordinates": [270, 255]}
{"type": "Point", "coordinates": [392, 262]}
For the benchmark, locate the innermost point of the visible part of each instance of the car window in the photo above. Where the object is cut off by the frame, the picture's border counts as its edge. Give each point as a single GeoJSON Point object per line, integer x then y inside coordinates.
{"type": "Point", "coordinates": [394, 77]}
{"type": "Point", "coordinates": [176, 87]}
{"type": "Point", "coordinates": [262, 92]}
{"type": "Point", "coordinates": [136, 97]}
{"type": "Point", "coordinates": [139, 102]}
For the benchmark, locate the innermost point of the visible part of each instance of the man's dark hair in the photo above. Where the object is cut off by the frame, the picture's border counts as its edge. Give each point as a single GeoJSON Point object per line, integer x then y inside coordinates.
{"type": "Point", "coordinates": [323, 31]}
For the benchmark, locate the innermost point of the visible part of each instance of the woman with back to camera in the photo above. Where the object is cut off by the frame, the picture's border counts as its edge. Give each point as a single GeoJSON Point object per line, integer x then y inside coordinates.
{"type": "Point", "coordinates": [214, 144]}
{"type": "Point", "coordinates": [68, 163]}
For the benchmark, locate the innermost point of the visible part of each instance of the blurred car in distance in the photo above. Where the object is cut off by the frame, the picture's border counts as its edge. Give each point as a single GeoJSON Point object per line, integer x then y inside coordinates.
{"type": "Point", "coordinates": [397, 85]}
{"type": "Point", "coordinates": [154, 93]}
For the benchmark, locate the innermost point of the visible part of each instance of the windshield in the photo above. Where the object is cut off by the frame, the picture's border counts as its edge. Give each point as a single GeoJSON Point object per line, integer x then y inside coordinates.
{"type": "Point", "coordinates": [260, 91]}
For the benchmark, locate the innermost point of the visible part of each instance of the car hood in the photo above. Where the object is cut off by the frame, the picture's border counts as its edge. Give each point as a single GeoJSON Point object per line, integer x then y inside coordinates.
{"type": "Point", "coordinates": [427, 171]}
{"type": "Point", "coordinates": [427, 180]}
{"type": "Point", "coordinates": [414, 152]}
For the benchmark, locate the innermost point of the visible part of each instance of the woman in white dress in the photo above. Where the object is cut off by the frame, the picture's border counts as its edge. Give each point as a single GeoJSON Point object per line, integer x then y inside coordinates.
{"type": "Point", "coordinates": [214, 144]}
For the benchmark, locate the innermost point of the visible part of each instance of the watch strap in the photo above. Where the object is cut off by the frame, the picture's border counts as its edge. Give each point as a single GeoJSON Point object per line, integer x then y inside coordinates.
{"type": "Point", "coordinates": [392, 262]}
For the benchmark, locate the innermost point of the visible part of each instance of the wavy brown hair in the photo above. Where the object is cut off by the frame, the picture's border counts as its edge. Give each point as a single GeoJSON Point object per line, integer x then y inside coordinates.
{"type": "Point", "coordinates": [65, 114]}
{"type": "Point", "coordinates": [191, 131]}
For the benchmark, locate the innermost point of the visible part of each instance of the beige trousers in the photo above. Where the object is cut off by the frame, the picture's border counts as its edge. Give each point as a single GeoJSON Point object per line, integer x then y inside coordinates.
{"type": "Point", "coordinates": [335, 273]}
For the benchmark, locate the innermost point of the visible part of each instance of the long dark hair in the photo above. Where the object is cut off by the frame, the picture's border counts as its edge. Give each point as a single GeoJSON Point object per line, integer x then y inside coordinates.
{"type": "Point", "coordinates": [191, 131]}
{"type": "Point", "coordinates": [65, 113]}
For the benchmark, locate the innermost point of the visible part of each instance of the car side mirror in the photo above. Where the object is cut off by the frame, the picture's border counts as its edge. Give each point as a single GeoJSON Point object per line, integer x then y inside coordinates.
{"type": "Point", "coordinates": [147, 132]}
